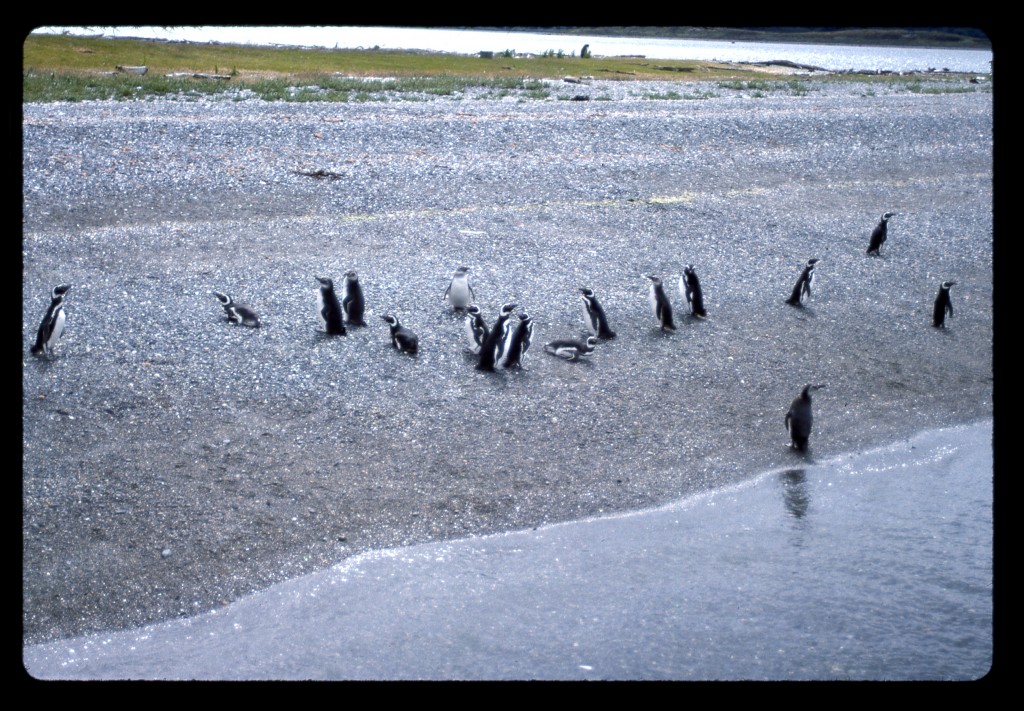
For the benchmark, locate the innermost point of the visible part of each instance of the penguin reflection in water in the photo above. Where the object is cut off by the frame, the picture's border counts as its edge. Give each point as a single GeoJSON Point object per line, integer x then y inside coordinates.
{"type": "Point", "coordinates": [802, 289]}
{"type": "Point", "coordinates": [799, 418]}
{"type": "Point", "coordinates": [660, 304]}
{"type": "Point", "coordinates": [401, 337]}
{"type": "Point", "coordinates": [236, 312]}
{"type": "Point", "coordinates": [943, 306]}
{"type": "Point", "coordinates": [329, 308]}
{"type": "Point", "coordinates": [52, 327]}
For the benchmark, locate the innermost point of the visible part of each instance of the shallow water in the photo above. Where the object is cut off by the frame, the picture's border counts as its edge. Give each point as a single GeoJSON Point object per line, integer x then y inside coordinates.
{"type": "Point", "coordinates": [873, 566]}
{"type": "Point", "coordinates": [832, 57]}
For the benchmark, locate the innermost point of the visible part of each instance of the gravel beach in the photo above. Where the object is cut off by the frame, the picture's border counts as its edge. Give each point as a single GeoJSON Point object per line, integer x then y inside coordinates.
{"type": "Point", "coordinates": [173, 462]}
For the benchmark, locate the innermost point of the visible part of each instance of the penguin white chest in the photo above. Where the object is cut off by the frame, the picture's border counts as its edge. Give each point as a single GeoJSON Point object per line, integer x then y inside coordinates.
{"type": "Point", "coordinates": [459, 293]}
{"type": "Point", "coordinates": [320, 307]}
{"type": "Point", "coordinates": [58, 328]}
{"type": "Point", "coordinates": [652, 297]}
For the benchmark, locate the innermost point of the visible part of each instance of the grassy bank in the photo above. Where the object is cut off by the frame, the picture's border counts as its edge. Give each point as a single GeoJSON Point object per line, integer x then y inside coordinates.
{"type": "Point", "coordinates": [69, 68]}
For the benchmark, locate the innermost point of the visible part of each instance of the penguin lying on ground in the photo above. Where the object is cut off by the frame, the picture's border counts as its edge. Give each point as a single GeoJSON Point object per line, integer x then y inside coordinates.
{"type": "Point", "coordinates": [236, 312]}
{"type": "Point", "coordinates": [401, 337]}
{"type": "Point", "coordinates": [571, 348]}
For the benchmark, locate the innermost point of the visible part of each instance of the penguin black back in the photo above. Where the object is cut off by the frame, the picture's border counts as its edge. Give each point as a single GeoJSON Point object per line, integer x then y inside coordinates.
{"type": "Point", "coordinates": [52, 326]}
{"type": "Point", "coordinates": [329, 309]}
{"type": "Point", "coordinates": [491, 349]}
{"type": "Point", "coordinates": [802, 288]}
{"type": "Point", "coordinates": [236, 312]}
{"type": "Point", "coordinates": [594, 316]}
{"type": "Point", "coordinates": [799, 418]}
{"type": "Point", "coordinates": [475, 328]}
{"type": "Point", "coordinates": [660, 304]}
{"type": "Point", "coordinates": [943, 306]}
{"type": "Point", "coordinates": [879, 234]}
{"type": "Point", "coordinates": [519, 342]}
{"type": "Point", "coordinates": [352, 303]}
{"type": "Point", "coordinates": [401, 337]}
{"type": "Point", "coordinates": [689, 285]}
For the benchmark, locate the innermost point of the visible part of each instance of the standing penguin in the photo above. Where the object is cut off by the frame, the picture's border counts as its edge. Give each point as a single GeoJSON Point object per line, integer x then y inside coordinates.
{"type": "Point", "coordinates": [401, 337]}
{"type": "Point", "coordinates": [799, 418]}
{"type": "Point", "coordinates": [476, 328]}
{"type": "Point", "coordinates": [660, 304]}
{"type": "Point", "coordinates": [329, 309]}
{"type": "Point", "coordinates": [236, 312]}
{"type": "Point", "coordinates": [460, 292]}
{"type": "Point", "coordinates": [802, 289]}
{"type": "Point", "coordinates": [491, 348]}
{"type": "Point", "coordinates": [879, 234]}
{"type": "Point", "coordinates": [943, 306]}
{"type": "Point", "coordinates": [352, 303]}
{"type": "Point", "coordinates": [570, 348]}
{"type": "Point", "coordinates": [593, 315]}
{"type": "Point", "coordinates": [689, 288]}
{"type": "Point", "coordinates": [52, 327]}
{"type": "Point", "coordinates": [519, 342]}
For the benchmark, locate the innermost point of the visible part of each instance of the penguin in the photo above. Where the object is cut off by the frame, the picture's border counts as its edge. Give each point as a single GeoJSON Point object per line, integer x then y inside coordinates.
{"type": "Point", "coordinates": [352, 303]}
{"type": "Point", "coordinates": [593, 315]}
{"type": "Point", "coordinates": [401, 337]}
{"type": "Point", "coordinates": [689, 288]}
{"type": "Point", "coordinates": [492, 347]}
{"type": "Point", "coordinates": [476, 328]}
{"type": "Point", "coordinates": [570, 348]}
{"type": "Point", "coordinates": [329, 308]}
{"type": "Point", "coordinates": [460, 292]}
{"type": "Point", "coordinates": [879, 234]}
{"type": "Point", "coordinates": [52, 327]}
{"type": "Point", "coordinates": [660, 304]}
{"type": "Point", "coordinates": [519, 342]}
{"type": "Point", "coordinates": [238, 313]}
{"type": "Point", "coordinates": [799, 418]}
{"type": "Point", "coordinates": [943, 306]}
{"type": "Point", "coordinates": [802, 288]}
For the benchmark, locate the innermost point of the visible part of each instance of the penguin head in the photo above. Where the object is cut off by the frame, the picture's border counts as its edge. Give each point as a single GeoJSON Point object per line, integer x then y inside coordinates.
{"type": "Point", "coordinates": [351, 276]}
{"type": "Point", "coordinates": [473, 309]}
{"type": "Point", "coordinates": [223, 298]}
{"type": "Point", "coordinates": [808, 389]}
{"type": "Point", "coordinates": [812, 261]}
{"type": "Point", "coordinates": [390, 319]}
{"type": "Point", "coordinates": [887, 215]}
{"type": "Point", "coordinates": [507, 309]}
{"type": "Point", "coordinates": [688, 270]}
{"type": "Point", "coordinates": [329, 283]}
{"type": "Point", "coordinates": [948, 284]}
{"type": "Point", "coordinates": [654, 280]}
{"type": "Point", "coordinates": [60, 290]}
{"type": "Point", "coordinates": [591, 341]}
{"type": "Point", "coordinates": [461, 270]}
{"type": "Point", "coordinates": [587, 292]}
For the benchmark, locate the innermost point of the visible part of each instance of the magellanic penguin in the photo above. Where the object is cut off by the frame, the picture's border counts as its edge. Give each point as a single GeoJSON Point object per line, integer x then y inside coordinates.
{"type": "Point", "coordinates": [329, 309]}
{"type": "Point", "coordinates": [492, 347]}
{"type": "Point", "coordinates": [689, 289]}
{"type": "Point", "coordinates": [799, 418]}
{"type": "Point", "coordinates": [660, 304]}
{"type": "Point", "coordinates": [802, 289]}
{"type": "Point", "coordinates": [52, 327]}
{"type": "Point", "coordinates": [879, 234]}
{"type": "Point", "coordinates": [943, 306]}
{"type": "Point", "coordinates": [236, 312]}
{"type": "Point", "coordinates": [571, 348]}
{"type": "Point", "coordinates": [476, 328]}
{"type": "Point", "coordinates": [352, 303]}
{"type": "Point", "coordinates": [460, 292]}
{"type": "Point", "coordinates": [593, 315]}
{"type": "Point", "coordinates": [518, 343]}
{"type": "Point", "coordinates": [401, 337]}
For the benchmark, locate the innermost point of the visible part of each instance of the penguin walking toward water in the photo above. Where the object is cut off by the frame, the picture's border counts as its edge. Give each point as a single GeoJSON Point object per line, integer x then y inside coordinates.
{"type": "Point", "coordinates": [460, 292]}
{"type": "Point", "coordinates": [518, 343]}
{"type": "Point", "coordinates": [593, 315]}
{"type": "Point", "coordinates": [571, 348]}
{"type": "Point", "coordinates": [689, 288]}
{"type": "Point", "coordinates": [236, 312]}
{"type": "Point", "coordinates": [943, 306]}
{"type": "Point", "coordinates": [352, 303]}
{"type": "Point", "coordinates": [52, 326]}
{"type": "Point", "coordinates": [660, 304]}
{"type": "Point", "coordinates": [799, 418]}
{"type": "Point", "coordinates": [329, 309]}
{"type": "Point", "coordinates": [401, 337]}
{"type": "Point", "coordinates": [476, 328]}
{"type": "Point", "coordinates": [491, 350]}
{"type": "Point", "coordinates": [802, 289]}
{"type": "Point", "coordinates": [879, 235]}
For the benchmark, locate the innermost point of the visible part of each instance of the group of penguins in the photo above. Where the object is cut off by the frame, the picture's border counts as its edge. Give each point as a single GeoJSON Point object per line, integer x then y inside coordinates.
{"type": "Point", "coordinates": [504, 344]}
